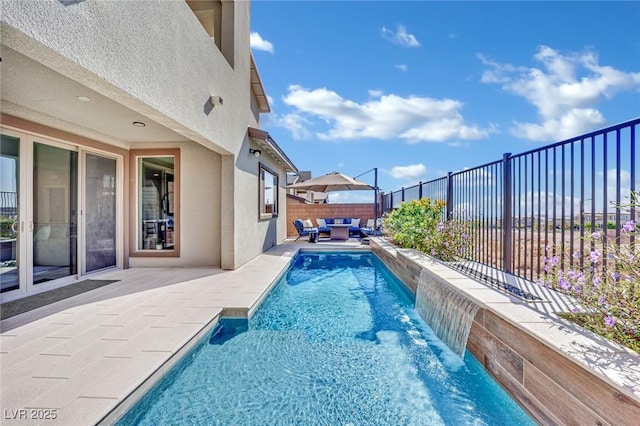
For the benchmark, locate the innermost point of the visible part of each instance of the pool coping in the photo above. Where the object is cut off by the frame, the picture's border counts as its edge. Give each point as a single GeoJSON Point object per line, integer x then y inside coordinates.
{"type": "Point", "coordinates": [227, 312]}
{"type": "Point", "coordinates": [241, 292]}
{"type": "Point", "coordinates": [64, 358]}
{"type": "Point", "coordinates": [516, 341]}
{"type": "Point", "coordinates": [148, 383]}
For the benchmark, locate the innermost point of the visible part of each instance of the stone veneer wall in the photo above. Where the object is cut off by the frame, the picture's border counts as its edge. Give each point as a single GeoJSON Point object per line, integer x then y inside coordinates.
{"type": "Point", "coordinates": [551, 386]}
{"type": "Point", "coordinates": [314, 211]}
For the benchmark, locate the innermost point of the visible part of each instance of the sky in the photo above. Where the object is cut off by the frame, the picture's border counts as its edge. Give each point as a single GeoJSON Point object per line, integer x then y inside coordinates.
{"type": "Point", "coordinates": [417, 89]}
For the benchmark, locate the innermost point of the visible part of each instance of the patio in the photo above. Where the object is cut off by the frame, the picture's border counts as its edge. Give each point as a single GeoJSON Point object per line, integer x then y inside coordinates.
{"type": "Point", "coordinates": [80, 357]}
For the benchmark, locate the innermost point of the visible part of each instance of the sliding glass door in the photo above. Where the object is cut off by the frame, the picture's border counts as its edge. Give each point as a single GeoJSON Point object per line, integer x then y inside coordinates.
{"type": "Point", "coordinates": [58, 213]}
{"type": "Point", "coordinates": [100, 208]}
{"type": "Point", "coordinates": [55, 213]}
{"type": "Point", "coordinates": [10, 244]}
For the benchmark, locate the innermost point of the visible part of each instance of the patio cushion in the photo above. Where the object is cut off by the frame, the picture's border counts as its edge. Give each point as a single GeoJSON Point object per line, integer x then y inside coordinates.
{"type": "Point", "coordinates": [307, 223]}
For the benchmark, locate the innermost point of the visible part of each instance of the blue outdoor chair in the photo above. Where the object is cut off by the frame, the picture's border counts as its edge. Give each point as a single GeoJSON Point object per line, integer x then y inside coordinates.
{"type": "Point", "coordinates": [303, 232]}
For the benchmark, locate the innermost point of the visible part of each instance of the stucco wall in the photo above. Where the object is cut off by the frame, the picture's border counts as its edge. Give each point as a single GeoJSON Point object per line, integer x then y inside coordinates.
{"type": "Point", "coordinates": [255, 235]}
{"type": "Point", "coordinates": [153, 57]}
{"type": "Point", "coordinates": [201, 215]}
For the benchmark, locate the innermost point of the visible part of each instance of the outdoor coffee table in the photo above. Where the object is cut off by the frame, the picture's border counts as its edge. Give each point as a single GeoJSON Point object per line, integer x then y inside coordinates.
{"type": "Point", "coordinates": [339, 231]}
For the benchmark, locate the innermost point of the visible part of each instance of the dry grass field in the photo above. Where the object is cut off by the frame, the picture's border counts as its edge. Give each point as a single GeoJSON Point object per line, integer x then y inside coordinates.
{"type": "Point", "coordinates": [529, 247]}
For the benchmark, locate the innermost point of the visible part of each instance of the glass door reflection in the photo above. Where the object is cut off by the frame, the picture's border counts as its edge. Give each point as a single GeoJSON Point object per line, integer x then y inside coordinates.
{"type": "Point", "coordinates": [100, 218]}
{"type": "Point", "coordinates": [55, 206]}
{"type": "Point", "coordinates": [9, 213]}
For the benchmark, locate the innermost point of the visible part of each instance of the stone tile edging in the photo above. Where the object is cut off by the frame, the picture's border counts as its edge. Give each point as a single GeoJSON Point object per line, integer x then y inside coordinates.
{"type": "Point", "coordinates": [558, 371]}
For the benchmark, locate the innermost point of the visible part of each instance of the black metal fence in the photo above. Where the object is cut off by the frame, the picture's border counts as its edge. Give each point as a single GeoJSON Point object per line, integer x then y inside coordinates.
{"type": "Point", "coordinates": [547, 197]}
{"type": "Point", "coordinates": [8, 204]}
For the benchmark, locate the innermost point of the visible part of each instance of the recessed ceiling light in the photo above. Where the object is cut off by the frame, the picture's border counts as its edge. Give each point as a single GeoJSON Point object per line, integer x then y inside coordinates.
{"type": "Point", "coordinates": [139, 124]}
{"type": "Point", "coordinates": [83, 99]}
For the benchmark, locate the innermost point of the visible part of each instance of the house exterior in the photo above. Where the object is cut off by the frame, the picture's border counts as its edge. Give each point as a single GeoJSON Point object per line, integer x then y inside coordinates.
{"type": "Point", "coordinates": [130, 138]}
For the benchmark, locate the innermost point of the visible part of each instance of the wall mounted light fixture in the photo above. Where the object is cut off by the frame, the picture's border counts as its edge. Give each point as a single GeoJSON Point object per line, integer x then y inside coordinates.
{"type": "Point", "coordinates": [255, 152]}
{"type": "Point", "coordinates": [216, 101]}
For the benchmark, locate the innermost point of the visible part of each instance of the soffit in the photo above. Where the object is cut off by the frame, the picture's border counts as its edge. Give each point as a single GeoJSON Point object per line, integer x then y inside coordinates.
{"type": "Point", "coordinates": [258, 89]}
{"type": "Point", "coordinates": [34, 92]}
{"type": "Point", "coordinates": [197, 5]}
{"type": "Point", "coordinates": [270, 147]}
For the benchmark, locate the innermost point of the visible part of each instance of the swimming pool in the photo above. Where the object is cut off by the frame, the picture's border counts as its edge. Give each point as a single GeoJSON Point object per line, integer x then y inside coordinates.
{"type": "Point", "coordinates": [336, 342]}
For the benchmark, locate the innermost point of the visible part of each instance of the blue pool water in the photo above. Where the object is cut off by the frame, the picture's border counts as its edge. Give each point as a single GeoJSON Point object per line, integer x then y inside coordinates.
{"type": "Point", "coordinates": [337, 342]}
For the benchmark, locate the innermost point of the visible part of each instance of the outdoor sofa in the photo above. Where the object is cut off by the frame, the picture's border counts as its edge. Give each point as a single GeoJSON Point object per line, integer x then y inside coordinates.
{"type": "Point", "coordinates": [305, 227]}
{"type": "Point", "coordinates": [354, 228]}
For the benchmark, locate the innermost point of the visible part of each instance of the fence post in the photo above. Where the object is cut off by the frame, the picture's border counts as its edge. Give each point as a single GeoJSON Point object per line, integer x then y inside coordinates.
{"type": "Point", "coordinates": [507, 214]}
{"type": "Point", "coordinates": [420, 190]}
{"type": "Point", "coordinates": [402, 194]}
{"type": "Point", "coordinates": [449, 195]}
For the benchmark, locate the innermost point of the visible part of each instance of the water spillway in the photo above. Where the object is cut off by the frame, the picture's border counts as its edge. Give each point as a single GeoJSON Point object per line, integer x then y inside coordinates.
{"type": "Point", "coordinates": [447, 311]}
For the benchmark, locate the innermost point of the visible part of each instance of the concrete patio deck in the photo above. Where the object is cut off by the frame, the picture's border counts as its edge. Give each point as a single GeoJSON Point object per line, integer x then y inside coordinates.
{"type": "Point", "coordinates": [76, 360]}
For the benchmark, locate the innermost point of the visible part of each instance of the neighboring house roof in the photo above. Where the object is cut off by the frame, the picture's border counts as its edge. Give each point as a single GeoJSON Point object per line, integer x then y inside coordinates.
{"type": "Point", "coordinates": [258, 89]}
{"type": "Point", "coordinates": [270, 147]}
{"type": "Point", "coordinates": [291, 178]}
{"type": "Point", "coordinates": [304, 175]}
{"type": "Point", "coordinates": [320, 196]}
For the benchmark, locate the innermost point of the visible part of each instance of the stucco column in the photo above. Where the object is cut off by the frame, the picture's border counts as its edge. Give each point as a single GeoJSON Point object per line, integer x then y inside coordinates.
{"type": "Point", "coordinates": [227, 200]}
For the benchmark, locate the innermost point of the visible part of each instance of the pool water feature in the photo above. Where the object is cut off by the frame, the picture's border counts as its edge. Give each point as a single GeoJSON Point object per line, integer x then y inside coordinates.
{"type": "Point", "coordinates": [448, 312]}
{"type": "Point", "coordinates": [336, 342]}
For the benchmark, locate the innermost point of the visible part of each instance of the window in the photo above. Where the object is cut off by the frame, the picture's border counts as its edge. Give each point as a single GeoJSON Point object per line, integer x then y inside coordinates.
{"type": "Point", "coordinates": [156, 202]}
{"type": "Point", "coordinates": [268, 193]}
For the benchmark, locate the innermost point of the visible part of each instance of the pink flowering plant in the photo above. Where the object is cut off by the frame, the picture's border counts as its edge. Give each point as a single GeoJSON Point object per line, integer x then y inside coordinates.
{"type": "Point", "coordinates": [419, 224]}
{"type": "Point", "coordinates": [452, 239]}
{"type": "Point", "coordinates": [605, 282]}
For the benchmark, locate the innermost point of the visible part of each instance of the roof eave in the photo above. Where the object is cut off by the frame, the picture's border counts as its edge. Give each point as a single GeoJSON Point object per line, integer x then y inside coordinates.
{"type": "Point", "coordinates": [258, 89]}
{"type": "Point", "coordinates": [270, 147]}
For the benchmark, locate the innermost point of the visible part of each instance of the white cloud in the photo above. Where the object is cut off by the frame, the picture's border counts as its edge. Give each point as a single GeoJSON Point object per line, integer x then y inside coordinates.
{"type": "Point", "coordinates": [375, 93]}
{"type": "Point", "coordinates": [458, 144]}
{"type": "Point", "coordinates": [270, 100]}
{"type": "Point", "coordinates": [411, 172]}
{"type": "Point", "coordinates": [574, 122]}
{"type": "Point", "coordinates": [296, 124]}
{"type": "Point", "coordinates": [258, 43]}
{"type": "Point", "coordinates": [497, 72]}
{"type": "Point", "coordinates": [401, 67]}
{"type": "Point", "coordinates": [351, 197]}
{"type": "Point", "coordinates": [400, 37]}
{"type": "Point", "coordinates": [565, 91]}
{"type": "Point", "coordinates": [612, 187]}
{"type": "Point", "coordinates": [413, 118]}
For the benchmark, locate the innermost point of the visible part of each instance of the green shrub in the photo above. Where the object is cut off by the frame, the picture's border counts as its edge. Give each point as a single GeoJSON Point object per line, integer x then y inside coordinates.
{"type": "Point", "coordinates": [6, 225]}
{"type": "Point", "coordinates": [409, 225]}
{"type": "Point", "coordinates": [419, 224]}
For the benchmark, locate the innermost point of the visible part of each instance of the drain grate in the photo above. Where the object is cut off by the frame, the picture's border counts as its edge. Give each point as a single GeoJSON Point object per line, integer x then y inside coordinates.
{"type": "Point", "coordinates": [495, 282]}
